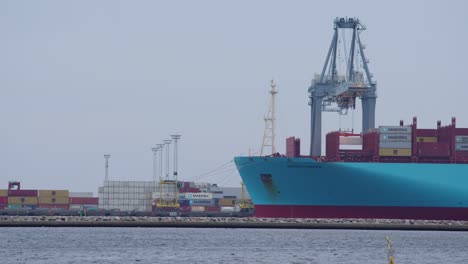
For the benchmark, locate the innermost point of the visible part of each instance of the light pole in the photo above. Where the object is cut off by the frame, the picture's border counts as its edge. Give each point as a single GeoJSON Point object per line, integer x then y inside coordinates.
{"type": "Point", "coordinates": [107, 157]}
{"type": "Point", "coordinates": [175, 138]}
{"type": "Point", "coordinates": [155, 155]}
{"type": "Point", "coordinates": [168, 143]}
{"type": "Point", "coordinates": [161, 147]}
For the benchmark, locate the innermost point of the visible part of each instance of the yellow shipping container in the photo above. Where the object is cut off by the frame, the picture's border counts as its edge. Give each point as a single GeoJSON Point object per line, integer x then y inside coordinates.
{"type": "Point", "coordinates": [227, 202]}
{"type": "Point", "coordinates": [426, 139]}
{"type": "Point", "coordinates": [53, 200]}
{"type": "Point", "coordinates": [22, 200]}
{"type": "Point", "coordinates": [3, 192]}
{"type": "Point", "coordinates": [394, 152]}
{"type": "Point", "coordinates": [56, 193]}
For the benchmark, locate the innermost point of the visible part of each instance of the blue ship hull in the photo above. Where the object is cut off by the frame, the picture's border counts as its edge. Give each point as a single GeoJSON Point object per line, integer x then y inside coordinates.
{"type": "Point", "coordinates": [302, 187]}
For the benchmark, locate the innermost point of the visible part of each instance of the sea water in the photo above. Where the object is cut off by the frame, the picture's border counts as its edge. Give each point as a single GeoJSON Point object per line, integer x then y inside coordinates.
{"type": "Point", "coordinates": [219, 245]}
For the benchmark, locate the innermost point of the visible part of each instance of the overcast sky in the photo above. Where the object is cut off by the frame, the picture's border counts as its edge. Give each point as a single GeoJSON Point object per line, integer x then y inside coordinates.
{"type": "Point", "coordinates": [79, 79]}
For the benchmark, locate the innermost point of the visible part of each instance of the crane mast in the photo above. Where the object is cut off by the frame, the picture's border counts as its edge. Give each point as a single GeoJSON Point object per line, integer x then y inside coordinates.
{"type": "Point", "coordinates": [336, 89]}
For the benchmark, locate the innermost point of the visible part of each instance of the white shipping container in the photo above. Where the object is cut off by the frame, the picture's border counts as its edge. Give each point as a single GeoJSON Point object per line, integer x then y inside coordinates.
{"type": "Point", "coordinates": [461, 139]}
{"type": "Point", "coordinates": [227, 208]}
{"type": "Point", "coordinates": [395, 137]}
{"type": "Point", "coordinates": [395, 129]}
{"type": "Point", "coordinates": [217, 195]}
{"type": "Point", "coordinates": [199, 196]}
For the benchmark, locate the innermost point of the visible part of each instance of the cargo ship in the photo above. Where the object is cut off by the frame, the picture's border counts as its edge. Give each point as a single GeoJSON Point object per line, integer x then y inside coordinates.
{"type": "Point", "coordinates": [394, 172]}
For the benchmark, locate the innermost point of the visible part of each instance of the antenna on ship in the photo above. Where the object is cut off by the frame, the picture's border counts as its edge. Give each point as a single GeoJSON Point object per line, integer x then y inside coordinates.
{"type": "Point", "coordinates": [106, 177]}
{"type": "Point", "coordinates": [270, 118]}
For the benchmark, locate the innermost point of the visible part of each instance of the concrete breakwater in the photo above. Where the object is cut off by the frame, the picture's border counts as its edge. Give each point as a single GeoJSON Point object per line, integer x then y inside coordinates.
{"type": "Point", "coordinates": [230, 222]}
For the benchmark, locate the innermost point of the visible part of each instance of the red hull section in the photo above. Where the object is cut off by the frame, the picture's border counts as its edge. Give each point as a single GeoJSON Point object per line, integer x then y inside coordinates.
{"type": "Point", "coordinates": [305, 211]}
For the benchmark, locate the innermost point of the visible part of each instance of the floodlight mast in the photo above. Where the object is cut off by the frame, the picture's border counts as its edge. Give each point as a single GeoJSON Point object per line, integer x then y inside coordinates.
{"type": "Point", "coordinates": [161, 147]}
{"type": "Point", "coordinates": [155, 158]}
{"type": "Point", "coordinates": [106, 176]}
{"type": "Point", "coordinates": [167, 143]}
{"type": "Point", "coordinates": [175, 138]}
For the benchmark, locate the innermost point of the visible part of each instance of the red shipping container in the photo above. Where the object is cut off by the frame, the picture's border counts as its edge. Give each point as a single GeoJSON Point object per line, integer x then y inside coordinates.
{"type": "Point", "coordinates": [212, 208]}
{"type": "Point", "coordinates": [430, 149]}
{"type": "Point", "coordinates": [461, 131]}
{"type": "Point", "coordinates": [3, 200]}
{"type": "Point", "coordinates": [54, 206]}
{"type": "Point", "coordinates": [185, 208]}
{"type": "Point", "coordinates": [462, 154]}
{"type": "Point", "coordinates": [24, 193]}
{"type": "Point", "coordinates": [426, 132]}
{"type": "Point", "coordinates": [84, 200]}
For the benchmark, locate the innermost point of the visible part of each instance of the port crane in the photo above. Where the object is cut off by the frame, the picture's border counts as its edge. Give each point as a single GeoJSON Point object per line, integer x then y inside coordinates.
{"type": "Point", "coordinates": [342, 81]}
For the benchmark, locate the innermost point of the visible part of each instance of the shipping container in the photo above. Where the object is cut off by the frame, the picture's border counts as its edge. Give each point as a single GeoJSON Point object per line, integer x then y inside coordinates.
{"type": "Point", "coordinates": [28, 200]}
{"type": "Point", "coordinates": [201, 202]}
{"type": "Point", "coordinates": [3, 192]}
{"type": "Point", "coordinates": [395, 152]}
{"type": "Point", "coordinates": [424, 132]}
{"type": "Point", "coordinates": [199, 196]}
{"type": "Point", "coordinates": [428, 149]}
{"type": "Point", "coordinates": [395, 129]}
{"type": "Point", "coordinates": [426, 139]}
{"type": "Point", "coordinates": [15, 206]}
{"type": "Point", "coordinates": [351, 140]}
{"type": "Point", "coordinates": [227, 202]}
{"type": "Point", "coordinates": [197, 208]}
{"type": "Point", "coordinates": [56, 193]}
{"type": "Point", "coordinates": [184, 202]}
{"type": "Point", "coordinates": [3, 206]}
{"type": "Point", "coordinates": [53, 200]}
{"type": "Point", "coordinates": [185, 208]}
{"type": "Point", "coordinates": [461, 139]}
{"type": "Point", "coordinates": [54, 206]}
{"type": "Point", "coordinates": [395, 137]}
{"type": "Point", "coordinates": [24, 193]}
{"type": "Point", "coordinates": [212, 208]}
{"type": "Point", "coordinates": [3, 199]}
{"type": "Point", "coordinates": [217, 195]}
{"type": "Point", "coordinates": [84, 200]}
{"type": "Point", "coordinates": [81, 194]}
{"type": "Point", "coordinates": [227, 208]}
{"type": "Point", "coordinates": [393, 144]}
{"type": "Point", "coordinates": [461, 147]}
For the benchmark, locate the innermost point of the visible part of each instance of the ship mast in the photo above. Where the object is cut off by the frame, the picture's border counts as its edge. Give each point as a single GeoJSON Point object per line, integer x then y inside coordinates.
{"type": "Point", "coordinates": [270, 120]}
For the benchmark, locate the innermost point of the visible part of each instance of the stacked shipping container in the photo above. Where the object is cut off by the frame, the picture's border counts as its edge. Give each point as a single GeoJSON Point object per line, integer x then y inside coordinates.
{"type": "Point", "coordinates": [395, 141]}
{"type": "Point", "coordinates": [53, 199]}
{"type": "Point", "coordinates": [3, 199]}
{"type": "Point", "coordinates": [127, 195]}
{"type": "Point", "coordinates": [82, 200]}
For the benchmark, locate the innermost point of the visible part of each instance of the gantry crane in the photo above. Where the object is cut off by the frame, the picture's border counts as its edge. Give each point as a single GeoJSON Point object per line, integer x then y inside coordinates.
{"type": "Point", "coordinates": [336, 88]}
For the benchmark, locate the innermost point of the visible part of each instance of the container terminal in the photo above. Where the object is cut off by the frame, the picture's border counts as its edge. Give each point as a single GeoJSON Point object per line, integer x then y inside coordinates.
{"type": "Point", "coordinates": [391, 172]}
{"type": "Point", "coordinates": [128, 198]}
